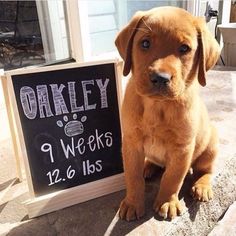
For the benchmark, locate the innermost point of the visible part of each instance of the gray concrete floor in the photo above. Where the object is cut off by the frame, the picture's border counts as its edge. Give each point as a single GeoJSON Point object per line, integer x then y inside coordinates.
{"type": "Point", "coordinates": [99, 216]}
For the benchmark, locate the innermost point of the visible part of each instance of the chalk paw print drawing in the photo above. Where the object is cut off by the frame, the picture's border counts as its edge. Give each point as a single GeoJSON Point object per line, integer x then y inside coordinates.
{"type": "Point", "coordinates": [73, 127]}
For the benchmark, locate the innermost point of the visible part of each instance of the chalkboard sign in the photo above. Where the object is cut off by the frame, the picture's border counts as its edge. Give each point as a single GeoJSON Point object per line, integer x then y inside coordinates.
{"type": "Point", "coordinates": [70, 123]}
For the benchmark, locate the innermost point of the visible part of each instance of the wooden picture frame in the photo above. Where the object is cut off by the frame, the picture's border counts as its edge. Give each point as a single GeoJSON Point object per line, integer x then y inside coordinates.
{"type": "Point", "coordinates": [42, 202]}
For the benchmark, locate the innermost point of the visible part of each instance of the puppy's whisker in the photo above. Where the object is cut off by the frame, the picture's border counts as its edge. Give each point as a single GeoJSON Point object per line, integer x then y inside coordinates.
{"type": "Point", "coordinates": [142, 30]}
{"type": "Point", "coordinates": [147, 25]}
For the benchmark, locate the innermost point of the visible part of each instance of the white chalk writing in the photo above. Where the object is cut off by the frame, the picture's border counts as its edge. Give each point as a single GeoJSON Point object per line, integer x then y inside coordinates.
{"type": "Point", "coordinates": [103, 92]}
{"type": "Point", "coordinates": [73, 100]}
{"type": "Point", "coordinates": [94, 142]}
{"type": "Point", "coordinates": [28, 101]}
{"type": "Point", "coordinates": [57, 99]}
{"type": "Point", "coordinates": [43, 101]}
{"type": "Point", "coordinates": [78, 148]}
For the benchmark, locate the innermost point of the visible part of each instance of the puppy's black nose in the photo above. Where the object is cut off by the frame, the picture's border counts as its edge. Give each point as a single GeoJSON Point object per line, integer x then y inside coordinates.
{"type": "Point", "coordinates": [160, 77]}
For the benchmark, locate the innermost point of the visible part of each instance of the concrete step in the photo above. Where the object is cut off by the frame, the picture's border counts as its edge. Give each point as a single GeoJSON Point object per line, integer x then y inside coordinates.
{"type": "Point", "coordinates": [227, 225]}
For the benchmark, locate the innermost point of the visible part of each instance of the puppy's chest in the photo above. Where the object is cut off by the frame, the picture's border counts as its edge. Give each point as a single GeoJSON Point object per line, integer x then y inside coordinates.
{"type": "Point", "coordinates": [161, 130]}
{"type": "Point", "coordinates": [155, 150]}
{"type": "Point", "coordinates": [156, 137]}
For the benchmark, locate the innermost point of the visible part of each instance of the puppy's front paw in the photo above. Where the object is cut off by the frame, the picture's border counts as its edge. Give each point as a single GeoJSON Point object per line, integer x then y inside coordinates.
{"type": "Point", "coordinates": [202, 192]}
{"type": "Point", "coordinates": [131, 211]}
{"type": "Point", "coordinates": [169, 209]}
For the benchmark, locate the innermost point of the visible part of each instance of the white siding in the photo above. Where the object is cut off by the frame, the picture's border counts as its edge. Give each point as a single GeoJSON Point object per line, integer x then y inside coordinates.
{"type": "Point", "coordinates": [102, 17]}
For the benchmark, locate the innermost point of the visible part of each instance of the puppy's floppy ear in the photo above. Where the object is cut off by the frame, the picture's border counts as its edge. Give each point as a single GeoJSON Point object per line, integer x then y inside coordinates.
{"type": "Point", "coordinates": [208, 48]}
{"type": "Point", "coordinates": [124, 41]}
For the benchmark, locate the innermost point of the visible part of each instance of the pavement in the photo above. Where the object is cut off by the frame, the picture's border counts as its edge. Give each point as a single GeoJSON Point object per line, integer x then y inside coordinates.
{"type": "Point", "coordinates": [99, 216]}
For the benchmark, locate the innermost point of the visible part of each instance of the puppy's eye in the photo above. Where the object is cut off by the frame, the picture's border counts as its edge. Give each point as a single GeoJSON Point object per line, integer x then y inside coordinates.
{"type": "Point", "coordinates": [184, 48]}
{"type": "Point", "coordinates": [145, 44]}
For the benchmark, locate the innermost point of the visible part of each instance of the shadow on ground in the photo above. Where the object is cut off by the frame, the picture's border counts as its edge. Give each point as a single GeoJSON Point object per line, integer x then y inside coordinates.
{"type": "Point", "coordinates": [96, 217]}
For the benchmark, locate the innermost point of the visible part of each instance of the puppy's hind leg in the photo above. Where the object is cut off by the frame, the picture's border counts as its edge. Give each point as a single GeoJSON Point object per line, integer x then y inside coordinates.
{"type": "Point", "coordinates": [202, 170]}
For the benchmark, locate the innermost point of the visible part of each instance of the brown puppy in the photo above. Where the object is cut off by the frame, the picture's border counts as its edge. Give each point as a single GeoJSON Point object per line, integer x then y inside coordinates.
{"type": "Point", "coordinates": [163, 117]}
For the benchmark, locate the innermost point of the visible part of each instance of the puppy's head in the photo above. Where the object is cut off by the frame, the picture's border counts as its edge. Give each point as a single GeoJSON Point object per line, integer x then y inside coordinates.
{"type": "Point", "coordinates": [166, 48]}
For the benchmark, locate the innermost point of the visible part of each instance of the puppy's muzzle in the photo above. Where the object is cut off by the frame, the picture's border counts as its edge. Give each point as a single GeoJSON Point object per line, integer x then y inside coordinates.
{"type": "Point", "coordinates": [160, 78]}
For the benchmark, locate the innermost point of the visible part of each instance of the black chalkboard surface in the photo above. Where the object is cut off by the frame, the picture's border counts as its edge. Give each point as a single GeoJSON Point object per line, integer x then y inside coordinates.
{"type": "Point", "coordinates": [70, 123]}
